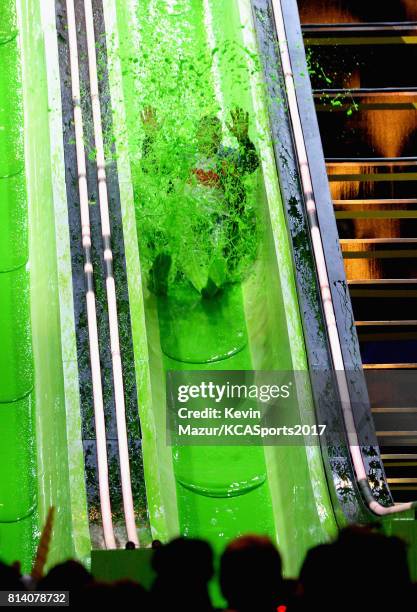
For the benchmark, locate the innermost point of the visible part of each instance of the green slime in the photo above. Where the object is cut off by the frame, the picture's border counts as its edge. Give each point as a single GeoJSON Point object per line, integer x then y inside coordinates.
{"type": "Point", "coordinates": [222, 492]}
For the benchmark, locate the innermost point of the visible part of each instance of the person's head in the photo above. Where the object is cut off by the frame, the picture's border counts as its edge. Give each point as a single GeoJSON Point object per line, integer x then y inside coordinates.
{"type": "Point", "coordinates": [374, 565]}
{"type": "Point", "coordinates": [183, 569]}
{"type": "Point", "coordinates": [184, 558]}
{"type": "Point", "coordinates": [251, 574]}
{"type": "Point", "coordinates": [128, 593]}
{"type": "Point", "coordinates": [209, 134]}
{"type": "Point", "coordinates": [10, 578]}
{"type": "Point", "coordinates": [373, 557]}
{"type": "Point", "coordinates": [66, 576]}
{"type": "Point", "coordinates": [318, 577]}
{"type": "Point", "coordinates": [131, 592]}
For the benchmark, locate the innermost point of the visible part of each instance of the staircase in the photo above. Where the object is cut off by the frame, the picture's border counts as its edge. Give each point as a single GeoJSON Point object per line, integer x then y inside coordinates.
{"type": "Point", "coordinates": [362, 68]}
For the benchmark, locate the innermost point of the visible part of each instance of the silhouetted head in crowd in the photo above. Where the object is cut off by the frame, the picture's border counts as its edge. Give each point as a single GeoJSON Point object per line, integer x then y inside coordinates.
{"type": "Point", "coordinates": [319, 577]}
{"type": "Point", "coordinates": [378, 563]}
{"type": "Point", "coordinates": [10, 579]}
{"type": "Point", "coordinates": [130, 545]}
{"type": "Point", "coordinates": [97, 595]}
{"type": "Point", "coordinates": [125, 593]}
{"type": "Point", "coordinates": [362, 569]}
{"type": "Point", "coordinates": [67, 576]}
{"type": "Point", "coordinates": [129, 591]}
{"type": "Point", "coordinates": [251, 575]}
{"type": "Point", "coordinates": [183, 569]}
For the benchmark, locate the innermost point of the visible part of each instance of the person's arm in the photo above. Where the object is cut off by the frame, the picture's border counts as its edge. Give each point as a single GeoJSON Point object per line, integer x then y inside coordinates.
{"type": "Point", "coordinates": [247, 160]}
{"type": "Point", "coordinates": [151, 127]}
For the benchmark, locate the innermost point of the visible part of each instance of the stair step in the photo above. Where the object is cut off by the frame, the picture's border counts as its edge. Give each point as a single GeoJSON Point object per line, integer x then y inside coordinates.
{"type": "Point", "coordinates": [400, 456]}
{"type": "Point", "coordinates": [376, 214]}
{"type": "Point", "coordinates": [394, 323]}
{"type": "Point", "coordinates": [385, 169]}
{"type": "Point", "coordinates": [371, 161]}
{"type": "Point", "coordinates": [379, 202]}
{"type": "Point", "coordinates": [389, 366]}
{"type": "Point", "coordinates": [358, 92]}
{"type": "Point", "coordinates": [360, 27]}
{"type": "Point", "coordinates": [378, 240]}
{"type": "Point", "coordinates": [394, 410]}
{"type": "Point", "coordinates": [373, 101]}
{"type": "Point", "coordinates": [383, 281]}
{"type": "Point", "coordinates": [356, 34]}
{"type": "Point", "coordinates": [402, 464]}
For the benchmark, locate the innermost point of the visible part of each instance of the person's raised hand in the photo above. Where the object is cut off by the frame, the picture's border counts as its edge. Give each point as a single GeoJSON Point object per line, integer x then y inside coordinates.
{"type": "Point", "coordinates": [149, 120]}
{"type": "Point", "coordinates": [240, 123]}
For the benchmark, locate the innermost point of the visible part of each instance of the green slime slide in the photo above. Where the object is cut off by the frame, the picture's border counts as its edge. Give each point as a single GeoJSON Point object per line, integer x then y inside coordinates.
{"type": "Point", "coordinates": [185, 58]}
{"type": "Point", "coordinates": [17, 451]}
{"type": "Point", "coordinates": [40, 449]}
{"type": "Point", "coordinates": [188, 59]}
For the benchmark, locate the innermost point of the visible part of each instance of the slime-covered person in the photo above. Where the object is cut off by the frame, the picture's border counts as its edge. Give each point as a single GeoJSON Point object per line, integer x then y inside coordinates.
{"type": "Point", "coordinates": [216, 182]}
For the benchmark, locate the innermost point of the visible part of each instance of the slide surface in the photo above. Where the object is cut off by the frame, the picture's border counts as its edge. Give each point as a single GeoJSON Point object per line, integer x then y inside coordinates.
{"type": "Point", "coordinates": [181, 64]}
{"type": "Point", "coordinates": [41, 461]}
{"type": "Point", "coordinates": [17, 450]}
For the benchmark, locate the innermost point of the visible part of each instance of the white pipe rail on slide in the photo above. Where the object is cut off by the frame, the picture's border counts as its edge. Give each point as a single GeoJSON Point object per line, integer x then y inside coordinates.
{"type": "Point", "coordinates": [335, 347]}
{"type": "Point", "coordinates": [110, 283]}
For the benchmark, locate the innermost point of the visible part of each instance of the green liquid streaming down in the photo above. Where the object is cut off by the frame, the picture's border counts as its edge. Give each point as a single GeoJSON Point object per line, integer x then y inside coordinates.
{"type": "Point", "coordinates": [188, 60]}
{"type": "Point", "coordinates": [221, 492]}
{"type": "Point", "coordinates": [40, 447]}
{"type": "Point", "coordinates": [17, 448]}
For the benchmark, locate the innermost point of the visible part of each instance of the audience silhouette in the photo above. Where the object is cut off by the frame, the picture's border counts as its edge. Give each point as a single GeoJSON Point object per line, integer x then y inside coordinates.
{"type": "Point", "coordinates": [183, 570]}
{"type": "Point", "coordinates": [251, 575]}
{"type": "Point", "coordinates": [363, 569]}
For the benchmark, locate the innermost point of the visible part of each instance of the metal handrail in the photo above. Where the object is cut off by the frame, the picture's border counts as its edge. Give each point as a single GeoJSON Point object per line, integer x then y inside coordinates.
{"type": "Point", "coordinates": [329, 313]}
{"type": "Point", "coordinates": [110, 281]}
{"type": "Point", "coordinates": [100, 427]}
